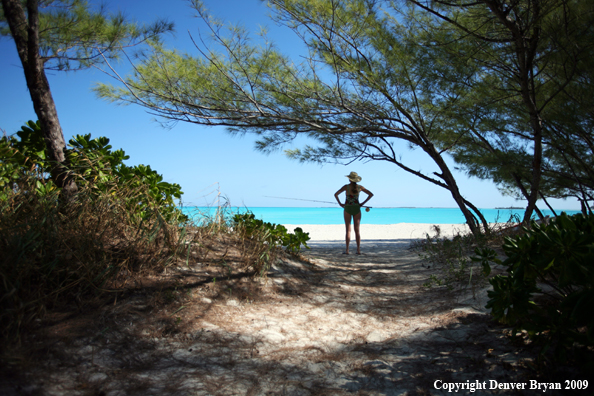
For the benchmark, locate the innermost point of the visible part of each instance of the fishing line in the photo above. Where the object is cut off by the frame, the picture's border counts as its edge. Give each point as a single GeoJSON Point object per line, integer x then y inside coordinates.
{"type": "Point", "coordinates": [310, 200]}
{"type": "Point", "coordinates": [299, 199]}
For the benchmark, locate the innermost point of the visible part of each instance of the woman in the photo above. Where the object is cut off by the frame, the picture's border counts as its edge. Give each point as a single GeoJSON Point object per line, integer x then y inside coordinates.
{"type": "Point", "coordinates": [352, 207]}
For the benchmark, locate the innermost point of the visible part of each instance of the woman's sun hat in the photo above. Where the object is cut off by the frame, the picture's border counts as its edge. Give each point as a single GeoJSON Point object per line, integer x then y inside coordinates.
{"type": "Point", "coordinates": [354, 177]}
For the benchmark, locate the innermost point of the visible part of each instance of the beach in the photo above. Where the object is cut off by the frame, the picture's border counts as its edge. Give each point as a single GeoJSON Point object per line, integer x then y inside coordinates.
{"type": "Point", "coordinates": [378, 232]}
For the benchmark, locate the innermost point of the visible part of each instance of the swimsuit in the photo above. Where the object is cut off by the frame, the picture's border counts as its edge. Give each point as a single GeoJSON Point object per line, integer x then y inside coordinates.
{"type": "Point", "coordinates": [352, 205]}
{"type": "Point", "coordinates": [353, 210]}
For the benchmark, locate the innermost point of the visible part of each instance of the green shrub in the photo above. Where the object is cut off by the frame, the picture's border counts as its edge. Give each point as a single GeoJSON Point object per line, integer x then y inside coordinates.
{"type": "Point", "coordinates": [263, 239]}
{"type": "Point", "coordinates": [277, 234]}
{"type": "Point", "coordinates": [94, 163]}
{"type": "Point", "coordinates": [549, 289]}
{"type": "Point", "coordinates": [120, 223]}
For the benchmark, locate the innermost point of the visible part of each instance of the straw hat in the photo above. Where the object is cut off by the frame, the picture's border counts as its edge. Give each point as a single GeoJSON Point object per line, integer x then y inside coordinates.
{"type": "Point", "coordinates": [354, 177]}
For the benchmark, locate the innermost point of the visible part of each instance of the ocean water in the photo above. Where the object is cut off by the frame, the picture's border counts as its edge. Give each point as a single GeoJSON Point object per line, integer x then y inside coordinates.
{"type": "Point", "coordinates": [374, 216]}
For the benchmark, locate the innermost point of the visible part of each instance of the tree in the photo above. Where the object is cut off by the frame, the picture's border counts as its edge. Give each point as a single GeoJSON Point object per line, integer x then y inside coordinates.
{"type": "Point", "coordinates": [570, 145]}
{"type": "Point", "coordinates": [68, 36]}
{"type": "Point", "coordinates": [360, 91]}
{"type": "Point", "coordinates": [527, 56]}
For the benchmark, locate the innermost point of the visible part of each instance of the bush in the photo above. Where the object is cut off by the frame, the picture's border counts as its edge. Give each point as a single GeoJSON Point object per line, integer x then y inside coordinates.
{"type": "Point", "coordinates": [549, 289]}
{"type": "Point", "coordinates": [450, 260]}
{"type": "Point", "coordinates": [265, 238]}
{"type": "Point", "coordinates": [93, 163]}
{"type": "Point", "coordinates": [121, 222]}
{"type": "Point", "coordinates": [276, 234]}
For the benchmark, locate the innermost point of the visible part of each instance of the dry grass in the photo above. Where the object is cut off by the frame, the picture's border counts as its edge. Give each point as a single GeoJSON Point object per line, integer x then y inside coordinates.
{"type": "Point", "coordinates": [450, 258]}
{"type": "Point", "coordinates": [53, 252]}
{"type": "Point", "coordinates": [96, 247]}
{"type": "Point", "coordinates": [142, 303]}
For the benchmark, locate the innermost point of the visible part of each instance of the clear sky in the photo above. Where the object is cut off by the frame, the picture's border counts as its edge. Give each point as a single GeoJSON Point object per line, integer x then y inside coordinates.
{"type": "Point", "coordinates": [207, 160]}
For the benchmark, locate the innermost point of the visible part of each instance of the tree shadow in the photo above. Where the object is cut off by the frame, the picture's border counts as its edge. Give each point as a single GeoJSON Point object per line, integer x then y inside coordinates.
{"type": "Point", "coordinates": [388, 275]}
{"type": "Point", "coordinates": [107, 352]}
{"type": "Point", "coordinates": [236, 363]}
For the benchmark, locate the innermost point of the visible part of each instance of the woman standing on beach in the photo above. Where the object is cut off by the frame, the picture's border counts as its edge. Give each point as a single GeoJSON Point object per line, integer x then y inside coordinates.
{"type": "Point", "coordinates": [352, 207]}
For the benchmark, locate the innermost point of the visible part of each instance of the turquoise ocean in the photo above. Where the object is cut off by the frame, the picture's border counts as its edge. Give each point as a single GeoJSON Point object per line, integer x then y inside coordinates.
{"type": "Point", "coordinates": [296, 215]}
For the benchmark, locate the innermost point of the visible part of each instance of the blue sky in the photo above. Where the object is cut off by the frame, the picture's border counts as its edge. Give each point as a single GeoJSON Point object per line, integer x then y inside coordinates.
{"type": "Point", "coordinates": [204, 160]}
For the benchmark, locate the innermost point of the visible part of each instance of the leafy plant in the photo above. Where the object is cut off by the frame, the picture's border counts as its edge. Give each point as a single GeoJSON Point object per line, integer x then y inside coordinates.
{"type": "Point", "coordinates": [95, 163]}
{"type": "Point", "coordinates": [549, 289]}
{"type": "Point", "coordinates": [86, 151]}
{"type": "Point", "coordinates": [122, 222]}
{"type": "Point", "coordinates": [21, 157]}
{"type": "Point", "coordinates": [263, 239]}
{"type": "Point", "coordinates": [292, 241]}
{"type": "Point", "coordinates": [277, 234]}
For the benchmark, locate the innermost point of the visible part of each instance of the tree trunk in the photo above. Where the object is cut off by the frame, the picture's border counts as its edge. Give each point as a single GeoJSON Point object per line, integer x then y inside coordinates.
{"type": "Point", "coordinates": [26, 38]}
{"type": "Point", "coordinates": [450, 181]}
{"type": "Point", "coordinates": [480, 216]}
{"type": "Point", "coordinates": [526, 46]}
{"type": "Point", "coordinates": [549, 206]}
{"type": "Point", "coordinates": [536, 167]}
{"type": "Point", "coordinates": [526, 195]}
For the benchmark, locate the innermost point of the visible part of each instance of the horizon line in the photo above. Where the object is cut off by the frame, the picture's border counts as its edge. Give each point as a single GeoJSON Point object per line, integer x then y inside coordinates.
{"type": "Point", "coordinates": [374, 207]}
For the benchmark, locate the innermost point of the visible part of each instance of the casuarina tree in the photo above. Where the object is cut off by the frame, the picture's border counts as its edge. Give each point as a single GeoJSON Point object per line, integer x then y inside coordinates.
{"type": "Point", "coordinates": [360, 93]}
{"type": "Point", "coordinates": [523, 120]}
{"type": "Point", "coordinates": [65, 35]}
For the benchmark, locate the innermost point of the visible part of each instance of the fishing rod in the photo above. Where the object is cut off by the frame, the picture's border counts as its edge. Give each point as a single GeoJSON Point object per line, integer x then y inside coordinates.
{"type": "Point", "coordinates": [311, 200]}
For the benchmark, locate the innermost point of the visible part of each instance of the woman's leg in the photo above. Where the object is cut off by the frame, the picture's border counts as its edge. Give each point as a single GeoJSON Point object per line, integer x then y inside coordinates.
{"type": "Point", "coordinates": [347, 224]}
{"type": "Point", "coordinates": [357, 221]}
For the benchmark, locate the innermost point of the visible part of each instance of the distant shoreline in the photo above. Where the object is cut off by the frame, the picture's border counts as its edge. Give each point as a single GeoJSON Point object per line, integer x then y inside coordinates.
{"type": "Point", "coordinates": [334, 215]}
{"type": "Point", "coordinates": [374, 207]}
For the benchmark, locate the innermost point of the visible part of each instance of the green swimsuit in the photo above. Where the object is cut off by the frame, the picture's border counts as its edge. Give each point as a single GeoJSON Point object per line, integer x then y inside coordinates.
{"type": "Point", "coordinates": [352, 205]}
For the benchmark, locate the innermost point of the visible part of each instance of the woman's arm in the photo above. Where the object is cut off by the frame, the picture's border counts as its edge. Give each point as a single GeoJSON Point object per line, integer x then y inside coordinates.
{"type": "Point", "coordinates": [337, 193]}
{"type": "Point", "coordinates": [369, 195]}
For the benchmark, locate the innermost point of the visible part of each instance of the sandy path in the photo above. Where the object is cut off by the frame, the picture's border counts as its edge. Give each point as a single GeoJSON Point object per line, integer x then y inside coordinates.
{"type": "Point", "coordinates": [345, 325]}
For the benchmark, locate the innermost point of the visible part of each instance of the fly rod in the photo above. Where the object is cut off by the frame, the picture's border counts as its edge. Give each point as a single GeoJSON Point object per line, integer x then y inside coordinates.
{"type": "Point", "coordinates": [311, 200]}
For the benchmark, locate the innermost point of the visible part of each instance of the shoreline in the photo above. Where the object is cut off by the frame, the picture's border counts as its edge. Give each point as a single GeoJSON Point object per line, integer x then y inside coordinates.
{"type": "Point", "coordinates": [378, 232]}
{"type": "Point", "coordinates": [327, 216]}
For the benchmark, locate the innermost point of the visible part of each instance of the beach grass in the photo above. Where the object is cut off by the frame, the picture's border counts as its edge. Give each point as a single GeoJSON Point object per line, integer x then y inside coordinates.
{"type": "Point", "coordinates": [54, 253]}
{"type": "Point", "coordinates": [56, 256]}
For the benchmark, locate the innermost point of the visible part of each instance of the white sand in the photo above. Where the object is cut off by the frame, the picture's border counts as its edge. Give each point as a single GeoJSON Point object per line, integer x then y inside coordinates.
{"type": "Point", "coordinates": [336, 232]}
